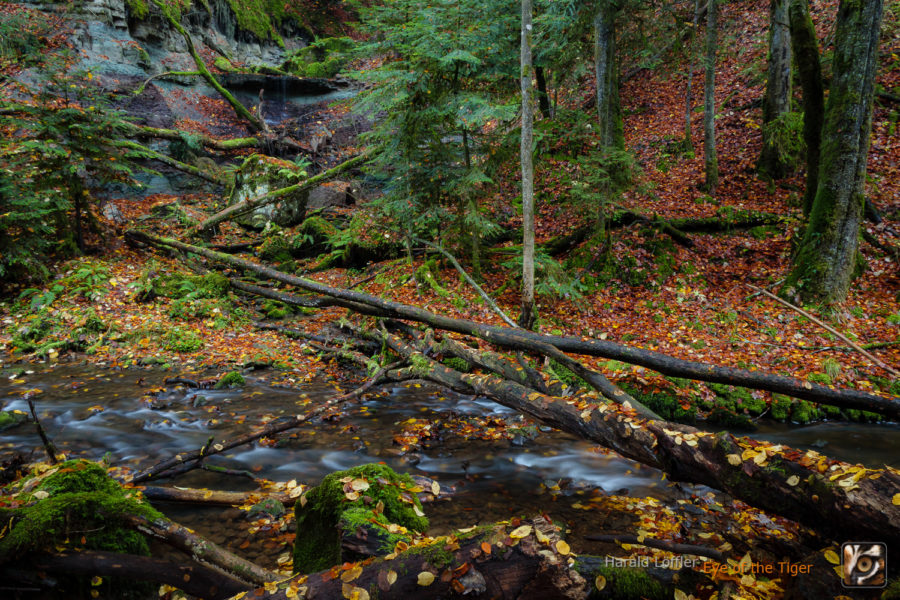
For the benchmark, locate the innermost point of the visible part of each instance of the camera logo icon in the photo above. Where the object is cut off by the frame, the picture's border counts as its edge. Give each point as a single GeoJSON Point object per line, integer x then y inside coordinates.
{"type": "Point", "coordinates": [864, 564]}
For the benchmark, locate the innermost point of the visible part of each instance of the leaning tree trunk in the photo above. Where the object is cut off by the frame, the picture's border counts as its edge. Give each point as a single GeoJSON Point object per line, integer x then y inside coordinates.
{"type": "Point", "coordinates": [805, 47]}
{"type": "Point", "coordinates": [606, 70]}
{"type": "Point", "coordinates": [528, 316]}
{"type": "Point", "coordinates": [826, 259]}
{"type": "Point", "coordinates": [709, 102]}
{"type": "Point", "coordinates": [777, 100]}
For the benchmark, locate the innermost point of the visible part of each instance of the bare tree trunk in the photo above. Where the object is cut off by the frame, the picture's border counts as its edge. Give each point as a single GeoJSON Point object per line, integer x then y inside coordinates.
{"type": "Point", "coordinates": [709, 101]}
{"type": "Point", "coordinates": [606, 73]}
{"type": "Point", "coordinates": [543, 96]}
{"type": "Point", "coordinates": [806, 54]}
{"type": "Point", "coordinates": [688, 97]}
{"type": "Point", "coordinates": [827, 257]}
{"type": "Point", "coordinates": [777, 100]}
{"type": "Point", "coordinates": [528, 316]}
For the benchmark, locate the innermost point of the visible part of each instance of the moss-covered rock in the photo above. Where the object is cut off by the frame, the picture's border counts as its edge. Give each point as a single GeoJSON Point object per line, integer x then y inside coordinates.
{"type": "Point", "coordinates": [780, 407]}
{"type": "Point", "coordinates": [78, 505]}
{"type": "Point", "coordinates": [371, 496]}
{"type": "Point", "coordinates": [738, 398]}
{"type": "Point", "coordinates": [179, 285]}
{"type": "Point", "coordinates": [625, 584]}
{"type": "Point", "coordinates": [259, 175]}
{"type": "Point", "coordinates": [230, 379]}
{"type": "Point", "coordinates": [12, 418]}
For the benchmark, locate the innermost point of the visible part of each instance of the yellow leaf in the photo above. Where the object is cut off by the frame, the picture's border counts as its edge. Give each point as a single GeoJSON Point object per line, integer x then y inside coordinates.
{"type": "Point", "coordinates": [793, 480]}
{"type": "Point", "coordinates": [435, 488]}
{"type": "Point", "coordinates": [359, 485]}
{"type": "Point", "coordinates": [733, 460]}
{"type": "Point", "coordinates": [832, 557]}
{"type": "Point", "coordinates": [351, 574]}
{"type": "Point", "coordinates": [425, 579]}
{"type": "Point", "coordinates": [352, 496]}
{"type": "Point", "coordinates": [271, 587]}
{"type": "Point", "coordinates": [541, 537]}
{"type": "Point", "coordinates": [520, 532]}
{"type": "Point", "coordinates": [600, 582]}
{"type": "Point", "coordinates": [896, 500]}
{"type": "Point", "coordinates": [418, 511]}
{"type": "Point", "coordinates": [391, 577]}
{"type": "Point", "coordinates": [679, 595]}
{"type": "Point", "coordinates": [563, 548]}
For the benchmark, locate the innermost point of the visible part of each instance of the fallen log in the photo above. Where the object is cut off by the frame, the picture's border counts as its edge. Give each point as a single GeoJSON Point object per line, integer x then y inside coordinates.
{"type": "Point", "coordinates": [201, 550]}
{"type": "Point", "coordinates": [253, 203]}
{"type": "Point", "coordinates": [195, 579]}
{"type": "Point", "coordinates": [525, 340]}
{"type": "Point", "coordinates": [500, 561]}
{"type": "Point", "coordinates": [210, 497]}
{"type": "Point", "coordinates": [844, 501]}
{"type": "Point", "coordinates": [258, 141]}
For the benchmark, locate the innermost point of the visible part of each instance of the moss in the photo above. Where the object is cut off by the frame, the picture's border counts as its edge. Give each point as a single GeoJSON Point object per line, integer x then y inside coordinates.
{"type": "Point", "coordinates": [780, 407]}
{"type": "Point", "coordinates": [178, 285]}
{"type": "Point", "coordinates": [275, 248]}
{"type": "Point", "coordinates": [223, 64]}
{"type": "Point", "coordinates": [230, 379]}
{"type": "Point", "coordinates": [457, 364]}
{"type": "Point", "coordinates": [665, 405]}
{"type": "Point", "coordinates": [822, 378]}
{"type": "Point", "coordinates": [892, 591]}
{"type": "Point", "coordinates": [804, 412]}
{"type": "Point", "coordinates": [625, 584]}
{"type": "Point", "coordinates": [275, 309]}
{"type": "Point", "coordinates": [137, 8]}
{"type": "Point", "coordinates": [84, 508]}
{"type": "Point", "coordinates": [179, 339]}
{"type": "Point", "coordinates": [11, 418]}
{"type": "Point", "coordinates": [428, 274]}
{"type": "Point", "coordinates": [327, 511]}
{"type": "Point", "coordinates": [726, 417]}
{"type": "Point", "coordinates": [569, 378]}
{"type": "Point", "coordinates": [737, 398]}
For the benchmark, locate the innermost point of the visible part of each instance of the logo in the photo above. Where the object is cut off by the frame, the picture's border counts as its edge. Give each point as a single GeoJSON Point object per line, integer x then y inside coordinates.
{"type": "Point", "coordinates": [864, 564]}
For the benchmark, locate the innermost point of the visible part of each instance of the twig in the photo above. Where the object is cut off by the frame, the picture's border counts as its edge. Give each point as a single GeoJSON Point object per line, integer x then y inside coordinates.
{"type": "Point", "coordinates": [469, 280]}
{"type": "Point", "coordinates": [834, 331]}
{"type": "Point", "coordinates": [181, 460]}
{"type": "Point", "coordinates": [48, 445]}
{"type": "Point", "coordinates": [661, 545]}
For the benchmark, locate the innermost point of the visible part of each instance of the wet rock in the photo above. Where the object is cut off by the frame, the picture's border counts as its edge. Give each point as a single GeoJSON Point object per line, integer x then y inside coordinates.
{"type": "Point", "coordinates": [337, 193]}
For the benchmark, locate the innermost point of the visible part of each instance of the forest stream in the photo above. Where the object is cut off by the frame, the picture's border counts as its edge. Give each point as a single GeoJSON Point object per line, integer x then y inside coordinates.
{"type": "Point", "coordinates": [133, 418]}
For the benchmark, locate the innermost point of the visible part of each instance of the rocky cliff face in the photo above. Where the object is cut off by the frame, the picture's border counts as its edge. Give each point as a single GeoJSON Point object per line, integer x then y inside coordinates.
{"type": "Point", "coordinates": [131, 38]}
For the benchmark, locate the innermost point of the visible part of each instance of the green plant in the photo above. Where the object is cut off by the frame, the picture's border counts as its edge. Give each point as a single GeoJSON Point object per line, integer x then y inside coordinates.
{"type": "Point", "coordinates": [179, 339]}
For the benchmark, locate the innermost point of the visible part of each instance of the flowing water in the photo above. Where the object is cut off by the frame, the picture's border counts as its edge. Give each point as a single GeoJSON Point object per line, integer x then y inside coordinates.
{"type": "Point", "coordinates": [133, 418]}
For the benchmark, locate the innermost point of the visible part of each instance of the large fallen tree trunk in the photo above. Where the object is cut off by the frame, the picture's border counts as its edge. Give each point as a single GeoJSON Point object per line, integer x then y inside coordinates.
{"type": "Point", "coordinates": [526, 562]}
{"type": "Point", "coordinates": [195, 579]}
{"type": "Point", "coordinates": [246, 206]}
{"type": "Point", "coordinates": [526, 340]}
{"type": "Point", "coordinates": [259, 141]}
{"type": "Point", "coordinates": [841, 500]}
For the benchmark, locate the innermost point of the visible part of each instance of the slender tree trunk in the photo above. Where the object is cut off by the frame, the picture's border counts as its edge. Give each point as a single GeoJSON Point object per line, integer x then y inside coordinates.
{"type": "Point", "coordinates": [777, 100]}
{"type": "Point", "coordinates": [806, 54]}
{"type": "Point", "coordinates": [709, 101]}
{"type": "Point", "coordinates": [688, 96]}
{"type": "Point", "coordinates": [606, 72]}
{"type": "Point", "coordinates": [826, 259]}
{"type": "Point", "coordinates": [528, 316]}
{"type": "Point", "coordinates": [543, 96]}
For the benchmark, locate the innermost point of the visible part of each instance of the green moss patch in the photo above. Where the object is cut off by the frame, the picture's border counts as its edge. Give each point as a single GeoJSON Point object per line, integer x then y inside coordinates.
{"type": "Point", "coordinates": [79, 506]}
{"type": "Point", "coordinates": [371, 496]}
{"type": "Point", "coordinates": [230, 379]}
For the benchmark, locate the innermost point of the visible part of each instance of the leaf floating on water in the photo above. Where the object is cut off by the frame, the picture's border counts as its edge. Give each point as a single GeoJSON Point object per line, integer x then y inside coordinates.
{"type": "Point", "coordinates": [520, 532]}
{"type": "Point", "coordinates": [425, 578]}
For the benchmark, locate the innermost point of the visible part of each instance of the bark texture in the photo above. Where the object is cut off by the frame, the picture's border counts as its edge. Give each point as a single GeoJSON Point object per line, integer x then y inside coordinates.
{"type": "Point", "coordinates": [826, 259]}
{"type": "Point", "coordinates": [709, 101]}
{"type": "Point", "coordinates": [777, 100]}
{"type": "Point", "coordinates": [805, 48]}
{"type": "Point", "coordinates": [528, 316]}
{"type": "Point", "coordinates": [606, 72]}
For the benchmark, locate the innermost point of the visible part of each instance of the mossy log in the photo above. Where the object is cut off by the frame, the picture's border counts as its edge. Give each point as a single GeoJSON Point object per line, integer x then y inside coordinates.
{"type": "Point", "coordinates": [522, 561]}
{"type": "Point", "coordinates": [529, 340]}
{"type": "Point", "coordinates": [271, 196]}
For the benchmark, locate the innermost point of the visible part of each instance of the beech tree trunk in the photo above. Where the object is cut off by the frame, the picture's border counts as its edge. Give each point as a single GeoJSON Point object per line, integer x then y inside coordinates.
{"type": "Point", "coordinates": [688, 96]}
{"type": "Point", "coordinates": [709, 101]}
{"type": "Point", "coordinates": [805, 48]}
{"type": "Point", "coordinates": [777, 100]}
{"type": "Point", "coordinates": [606, 71]}
{"type": "Point", "coordinates": [827, 257]}
{"type": "Point", "coordinates": [528, 315]}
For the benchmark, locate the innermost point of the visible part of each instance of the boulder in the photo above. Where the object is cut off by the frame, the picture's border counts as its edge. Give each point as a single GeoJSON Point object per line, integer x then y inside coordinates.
{"type": "Point", "coordinates": [259, 175]}
{"type": "Point", "coordinates": [335, 193]}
